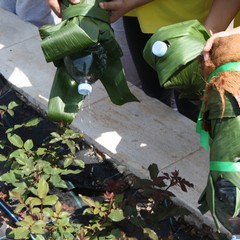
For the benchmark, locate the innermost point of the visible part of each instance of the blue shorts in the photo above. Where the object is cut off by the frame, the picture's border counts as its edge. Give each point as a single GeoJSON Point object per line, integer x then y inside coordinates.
{"type": "Point", "coordinates": [36, 12]}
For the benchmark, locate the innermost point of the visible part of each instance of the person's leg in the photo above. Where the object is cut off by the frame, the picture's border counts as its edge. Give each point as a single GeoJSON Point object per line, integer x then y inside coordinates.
{"type": "Point", "coordinates": [149, 79]}
{"type": "Point", "coordinates": [148, 76]}
{"type": "Point", "coordinates": [186, 107]}
{"type": "Point", "coordinates": [9, 5]}
{"type": "Point", "coordinates": [36, 12]}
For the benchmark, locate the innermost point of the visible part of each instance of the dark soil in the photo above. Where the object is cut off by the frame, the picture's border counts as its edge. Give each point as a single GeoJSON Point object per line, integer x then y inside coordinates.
{"type": "Point", "coordinates": [100, 174]}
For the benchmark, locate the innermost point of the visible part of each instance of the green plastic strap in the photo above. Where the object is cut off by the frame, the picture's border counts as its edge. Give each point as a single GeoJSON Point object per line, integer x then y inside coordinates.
{"type": "Point", "coordinates": [86, 10]}
{"type": "Point", "coordinates": [224, 166]}
{"type": "Point", "coordinates": [204, 136]}
{"type": "Point", "coordinates": [226, 67]}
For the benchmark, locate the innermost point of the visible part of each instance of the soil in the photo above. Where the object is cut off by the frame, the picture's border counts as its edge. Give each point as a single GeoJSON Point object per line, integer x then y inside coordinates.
{"type": "Point", "coordinates": [99, 175]}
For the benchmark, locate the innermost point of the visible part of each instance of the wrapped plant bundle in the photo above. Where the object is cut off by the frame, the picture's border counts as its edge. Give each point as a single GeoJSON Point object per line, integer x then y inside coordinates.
{"type": "Point", "coordinates": [221, 119]}
{"type": "Point", "coordinates": [179, 67]}
{"type": "Point", "coordinates": [83, 26]}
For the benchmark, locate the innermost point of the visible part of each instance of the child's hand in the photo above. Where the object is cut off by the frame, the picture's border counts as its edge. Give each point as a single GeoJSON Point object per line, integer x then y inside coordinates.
{"type": "Point", "coordinates": [208, 46]}
{"type": "Point", "coordinates": [56, 7]}
{"type": "Point", "coordinates": [118, 8]}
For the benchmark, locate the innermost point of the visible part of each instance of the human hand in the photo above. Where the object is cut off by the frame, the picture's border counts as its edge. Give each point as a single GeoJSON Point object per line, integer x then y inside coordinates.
{"type": "Point", "coordinates": [208, 46]}
{"type": "Point", "coordinates": [56, 7]}
{"type": "Point", "coordinates": [118, 8]}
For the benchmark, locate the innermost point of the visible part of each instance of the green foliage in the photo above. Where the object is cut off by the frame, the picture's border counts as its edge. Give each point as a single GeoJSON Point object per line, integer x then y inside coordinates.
{"type": "Point", "coordinates": [35, 171]}
{"type": "Point", "coordinates": [142, 210]}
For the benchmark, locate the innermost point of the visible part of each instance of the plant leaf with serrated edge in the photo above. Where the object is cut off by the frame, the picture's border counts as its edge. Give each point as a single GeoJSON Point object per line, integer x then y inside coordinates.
{"type": "Point", "coordinates": [33, 201]}
{"type": "Point", "coordinates": [32, 122]}
{"type": "Point", "coordinates": [28, 145]}
{"type": "Point", "coordinates": [116, 215]}
{"type": "Point", "coordinates": [58, 207]}
{"type": "Point", "coordinates": [151, 234]}
{"type": "Point", "coordinates": [38, 226]}
{"type": "Point", "coordinates": [15, 140]}
{"type": "Point", "coordinates": [39, 237]}
{"type": "Point", "coordinates": [48, 212]}
{"type": "Point", "coordinates": [43, 188]}
{"type": "Point", "coordinates": [89, 201]}
{"type": "Point", "coordinates": [20, 233]}
{"type": "Point", "coordinates": [8, 177]}
{"type": "Point", "coordinates": [57, 181]}
{"type": "Point", "coordinates": [80, 163]}
{"type": "Point", "coordinates": [50, 200]}
{"type": "Point", "coordinates": [12, 105]}
{"type": "Point", "coordinates": [2, 158]}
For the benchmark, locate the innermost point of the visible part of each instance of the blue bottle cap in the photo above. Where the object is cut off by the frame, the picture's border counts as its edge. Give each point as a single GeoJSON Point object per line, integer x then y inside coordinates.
{"type": "Point", "coordinates": [84, 89]}
{"type": "Point", "coordinates": [159, 48]}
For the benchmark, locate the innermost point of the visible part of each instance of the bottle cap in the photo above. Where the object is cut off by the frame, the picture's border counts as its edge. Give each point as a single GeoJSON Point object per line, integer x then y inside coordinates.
{"type": "Point", "coordinates": [159, 48]}
{"type": "Point", "coordinates": [84, 89]}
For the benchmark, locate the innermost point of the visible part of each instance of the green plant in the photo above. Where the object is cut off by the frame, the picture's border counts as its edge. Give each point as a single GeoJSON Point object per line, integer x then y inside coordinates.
{"type": "Point", "coordinates": [33, 172]}
{"type": "Point", "coordinates": [136, 215]}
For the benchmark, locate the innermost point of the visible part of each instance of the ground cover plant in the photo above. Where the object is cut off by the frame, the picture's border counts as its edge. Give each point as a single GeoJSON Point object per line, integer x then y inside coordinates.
{"type": "Point", "coordinates": [51, 193]}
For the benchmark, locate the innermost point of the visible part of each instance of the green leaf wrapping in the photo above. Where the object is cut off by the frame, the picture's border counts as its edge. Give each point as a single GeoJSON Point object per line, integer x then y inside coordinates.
{"type": "Point", "coordinates": [65, 40]}
{"type": "Point", "coordinates": [224, 147]}
{"type": "Point", "coordinates": [179, 68]}
{"type": "Point", "coordinates": [64, 100]}
{"type": "Point", "coordinates": [83, 26]}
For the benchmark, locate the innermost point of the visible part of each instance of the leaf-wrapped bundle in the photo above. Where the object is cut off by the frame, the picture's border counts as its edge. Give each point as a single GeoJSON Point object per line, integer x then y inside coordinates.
{"type": "Point", "coordinates": [179, 67]}
{"type": "Point", "coordinates": [221, 119]}
{"type": "Point", "coordinates": [83, 26]}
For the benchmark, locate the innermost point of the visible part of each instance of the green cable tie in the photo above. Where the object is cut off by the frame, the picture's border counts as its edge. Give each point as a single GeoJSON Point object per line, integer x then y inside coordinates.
{"type": "Point", "coordinates": [226, 67]}
{"type": "Point", "coordinates": [224, 166]}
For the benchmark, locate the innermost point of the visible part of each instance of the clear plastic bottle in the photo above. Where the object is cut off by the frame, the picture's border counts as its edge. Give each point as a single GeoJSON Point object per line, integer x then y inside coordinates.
{"type": "Point", "coordinates": [86, 67]}
{"type": "Point", "coordinates": [235, 237]}
{"type": "Point", "coordinates": [225, 205]}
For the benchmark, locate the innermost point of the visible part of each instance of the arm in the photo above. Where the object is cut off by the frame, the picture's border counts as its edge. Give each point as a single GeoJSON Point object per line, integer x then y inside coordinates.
{"type": "Point", "coordinates": [211, 40]}
{"type": "Point", "coordinates": [55, 6]}
{"type": "Point", "coordinates": [221, 14]}
{"type": "Point", "coordinates": [118, 8]}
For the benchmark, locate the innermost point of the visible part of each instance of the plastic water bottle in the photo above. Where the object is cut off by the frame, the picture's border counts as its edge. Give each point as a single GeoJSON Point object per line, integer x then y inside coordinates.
{"type": "Point", "coordinates": [86, 67]}
{"type": "Point", "coordinates": [159, 48]}
{"type": "Point", "coordinates": [225, 205]}
{"type": "Point", "coordinates": [235, 237]}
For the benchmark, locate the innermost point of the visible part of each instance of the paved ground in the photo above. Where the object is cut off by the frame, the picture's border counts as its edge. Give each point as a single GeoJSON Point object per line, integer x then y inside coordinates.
{"type": "Point", "coordinates": [135, 134]}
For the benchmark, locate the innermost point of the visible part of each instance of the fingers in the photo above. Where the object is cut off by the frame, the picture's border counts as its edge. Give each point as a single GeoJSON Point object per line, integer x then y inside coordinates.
{"type": "Point", "coordinates": [74, 1]}
{"type": "Point", "coordinates": [208, 46]}
{"type": "Point", "coordinates": [111, 6]}
{"type": "Point", "coordinates": [116, 9]}
{"type": "Point", "coordinates": [55, 6]}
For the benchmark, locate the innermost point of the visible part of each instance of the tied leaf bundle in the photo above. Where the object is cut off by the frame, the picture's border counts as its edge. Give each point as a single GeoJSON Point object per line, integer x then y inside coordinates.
{"type": "Point", "coordinates": [83, 26]}
{"type": "Point", "coordinates": [221, 119]}
{"type": "Point", "coordinates": [179, 67]}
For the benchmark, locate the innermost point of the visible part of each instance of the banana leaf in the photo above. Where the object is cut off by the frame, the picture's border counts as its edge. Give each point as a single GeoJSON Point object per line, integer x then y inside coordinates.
{"type": "Point", "coordinates": [223, 201]}
{"type": "Point", "coordinates": [179, 67]}
{"type": "Point", "coordinates": [83, 25]}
